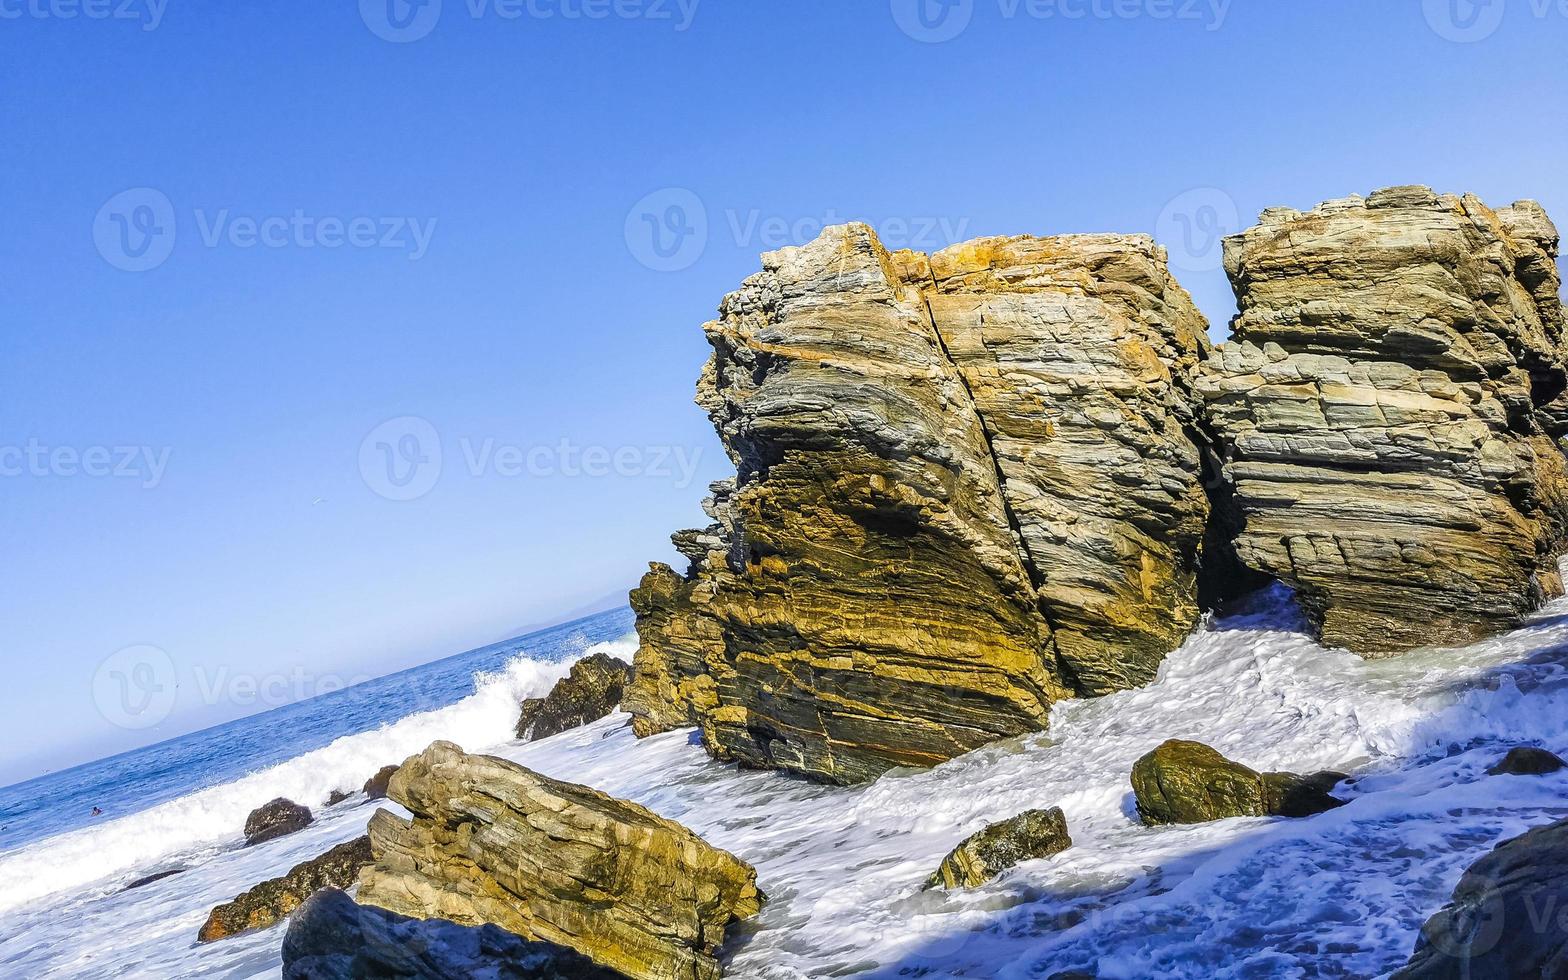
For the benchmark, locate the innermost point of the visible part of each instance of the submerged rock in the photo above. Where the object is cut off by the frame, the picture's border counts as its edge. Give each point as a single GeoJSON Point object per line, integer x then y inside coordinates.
{"type": "Point", "coordinates": [592, 690]}
{"type": "Point", "coordinates": [968, 484]}
{"type": "Point", "coordinates": [375, 787]}
{"type": "Point", "coordinates": [332, 938]}
{"type": "Point", "coordinates": [155, 876]}
{"type": "Point", "coordinates": [492, 842]}
{"type": "Point", "coordinates": [1189, 782]}
{"type": "Point", "coordinates": [1504, 919]}
{"type": "Point", "coordinates": [274, 899]}
{"type": "Point", "coordinates": [275, 819]}
{"type": "Point", "coordinates": [981, 857]}
{"type": "Point", "coordinates": [1387, 413]}
{"type": "Point", "coordinates": [1524, 760]}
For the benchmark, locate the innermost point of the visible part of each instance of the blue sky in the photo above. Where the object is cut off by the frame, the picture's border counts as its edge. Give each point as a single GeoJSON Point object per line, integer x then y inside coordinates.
{"type": "Point", "coordinates": [260, 264]}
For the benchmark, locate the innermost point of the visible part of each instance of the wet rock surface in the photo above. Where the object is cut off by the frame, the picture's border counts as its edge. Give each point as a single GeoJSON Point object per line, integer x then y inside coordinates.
{"type": "Point", "coordinates": [275, 819]}
{"type": "Point", "coordinates": [967, 486]}
{"type": "Point", "coordinates": [982, 856]}
{"type": "Point", "coordinates": [1387, 412]}
{"type": "Point", "coordinates": [273, 900]}
{"type": "Point", "coordinates": [592, 689]}
{"type": "Point", "coordinates": [1183, 782]}
{"type": "Point", "coordinates": [375, 787]}
{"type": "Point", "coordinates": [332, 938]}
{"type": "Point", "coordinates": [1527, 761]}
{"type": "Point", "coordinates": [492, 842]}
{"type": "Point", "coordinates": [1504, 919]}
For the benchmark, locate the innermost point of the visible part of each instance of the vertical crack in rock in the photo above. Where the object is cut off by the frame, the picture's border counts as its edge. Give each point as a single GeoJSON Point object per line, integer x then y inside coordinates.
{"type": "Point", "coordinates": [1387, 413]}
{"type": "Point", "coordinates": [965, 489]}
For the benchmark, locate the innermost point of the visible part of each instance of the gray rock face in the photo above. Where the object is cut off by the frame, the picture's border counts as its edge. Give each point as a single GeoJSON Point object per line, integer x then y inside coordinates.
{"type": "Point", "coordinates": [1505, 918]}
{"type": "Point", "coordinates": [1386, 413]}
{"type": "Point", "coordinates": [275, 819]}
{"type": "Point", "coordinates": [967, 486]}
{"type": "Point", "coordinates": [492, 842]}
{"type": "Point", "coordinates": [332, 938]}
{"type": "Point", "coordinates": [982, 856]}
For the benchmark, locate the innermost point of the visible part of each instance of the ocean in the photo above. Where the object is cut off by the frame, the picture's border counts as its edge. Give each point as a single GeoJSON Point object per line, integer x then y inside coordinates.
{"type": "Point", "coordinates": [1339, 894]}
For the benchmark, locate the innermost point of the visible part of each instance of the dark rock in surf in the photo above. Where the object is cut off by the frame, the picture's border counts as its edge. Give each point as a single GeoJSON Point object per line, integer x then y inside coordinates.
{"type": "Point", "coordinates": [332, 938]}
{"type": "Point", "coordinates": [337, 796]}
{"type": "Point", "coordinates": [592, 690]}
{"type": "Point", "coordinates": [376, 786]}
{"type": "Point", "coordinates": [274, 899]}
{"type": "Point", "coordinates": [155, 876]}
{"type": "Point", "coordinates": [1030, 835]}
{"type": "Point", "coordinates": [1504, 919]}
{"type": "Point", "coordinates": [275, 819]}
{"type": "Point", "coordinates": [1526, 760]}
{"type": "Point", "coordinates": [1189, 782]}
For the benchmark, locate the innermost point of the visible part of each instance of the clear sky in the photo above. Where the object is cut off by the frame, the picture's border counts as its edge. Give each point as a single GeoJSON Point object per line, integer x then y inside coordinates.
{"type": "Point", "coordinates": [339, 336]}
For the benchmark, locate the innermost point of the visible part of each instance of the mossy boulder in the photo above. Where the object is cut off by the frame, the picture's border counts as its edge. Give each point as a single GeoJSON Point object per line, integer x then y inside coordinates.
{"type": "Point", "coordinates": [981, 857]}
{"type": "Point", "coordinates": [274, 899]}
{"type": "Point", "coordinates": [1525, 760]}
{"type": "Point", "coordinates": [1189, 782]}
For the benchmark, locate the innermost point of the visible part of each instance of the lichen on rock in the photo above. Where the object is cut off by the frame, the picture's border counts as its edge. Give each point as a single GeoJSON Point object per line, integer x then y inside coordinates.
{"type": "Point", "coordinates": [271, 901]}
{"type": "Point", "coordinates": [968, 485]}
{"type": "Point", "coordinates": [982, 856]}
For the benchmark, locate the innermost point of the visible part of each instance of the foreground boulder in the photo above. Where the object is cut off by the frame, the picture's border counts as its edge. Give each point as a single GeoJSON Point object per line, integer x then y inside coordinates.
{"type": "Point", "coordinates": [981, 857]}
{"type": "Point", "coordinates": [968, 484]}
{"type": "Point", "coordinates": [332, 938]}
{"type": "Point", "coordinates": [1189, 782]}
{"type": "Point", "coordinates": [1387, 413]}
{"type": "Point", "coordinates": [275, 819]}
{"type": "Point", "coordinates": [1504, 919]}
{"type": "Point", "coordinates": [592, 690]}
{"type": "Point", "coordinates": [492, 842]}
{"type": "Point", "coordinates": [273, 900]}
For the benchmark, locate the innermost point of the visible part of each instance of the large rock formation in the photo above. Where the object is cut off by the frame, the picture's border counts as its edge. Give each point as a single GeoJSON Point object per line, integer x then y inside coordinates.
{"type": "Point", "coordinates": [1505, 918]}
{"type": "Point", "coordinates": [492, 842]}
{"type": "Point", "coordinates": [967, 485]}
{"type": "Point", "coordinates": [273, 900]}
{"type": "Point", "coordinates": [1387, 413]}
{"type": "Point", "coordinates": [591, 690]}
{"type": "Point", "coordinates": [332, 938]}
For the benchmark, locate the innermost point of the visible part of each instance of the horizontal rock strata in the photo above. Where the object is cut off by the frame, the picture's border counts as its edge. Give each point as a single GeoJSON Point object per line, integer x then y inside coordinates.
{"type": "Point", "coordinates": [492, 842]}
{"type": "Point", "coordinates": [1387, 413]}
{"type": "Point", "coordinates": [967, 485]}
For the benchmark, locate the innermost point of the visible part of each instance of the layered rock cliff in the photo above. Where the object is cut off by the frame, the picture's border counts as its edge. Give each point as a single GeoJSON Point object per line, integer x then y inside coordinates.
{"type": "Point", "coordinates": [1386, 411]}
{"type": "Point", "coordinates": [968, 484]}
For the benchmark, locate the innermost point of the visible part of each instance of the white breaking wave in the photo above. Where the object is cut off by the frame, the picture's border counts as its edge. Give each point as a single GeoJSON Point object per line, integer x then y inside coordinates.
{"type": "Point", "coordinates": [214, 817]}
